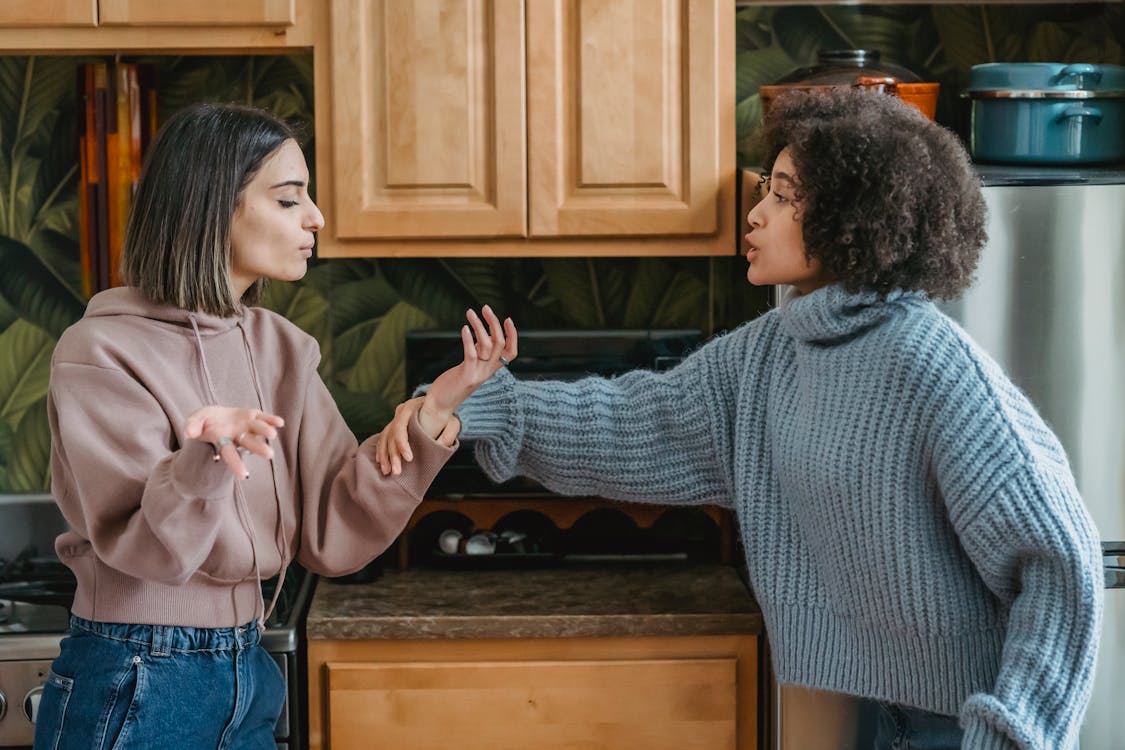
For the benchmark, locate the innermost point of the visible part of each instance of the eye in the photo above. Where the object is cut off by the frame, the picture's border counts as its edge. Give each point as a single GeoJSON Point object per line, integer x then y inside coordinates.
{"type": "Point", "coordinates": [287, 204]}
{"type": "Point", "coordinates": [780, 198]}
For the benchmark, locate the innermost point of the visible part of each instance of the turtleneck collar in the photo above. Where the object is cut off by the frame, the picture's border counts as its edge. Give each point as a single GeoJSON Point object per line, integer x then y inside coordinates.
{"type": "Point", "coordinates": [832, 313]}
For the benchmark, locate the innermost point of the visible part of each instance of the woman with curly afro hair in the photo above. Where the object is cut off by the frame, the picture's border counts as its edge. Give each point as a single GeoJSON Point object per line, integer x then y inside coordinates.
{"type": "Point", "coordinates": [912, 529]}
{"type": "Point", "coordinates": [887, 199]}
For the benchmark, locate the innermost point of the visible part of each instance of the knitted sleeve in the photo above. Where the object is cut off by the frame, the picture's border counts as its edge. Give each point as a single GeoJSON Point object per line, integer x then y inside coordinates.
{"type": "Point", "coordinates": [1035, 546]}
{"type": "Point", "coordinates": [1018, 514]}
{"type": "Point", "coordinates": [645, 436]}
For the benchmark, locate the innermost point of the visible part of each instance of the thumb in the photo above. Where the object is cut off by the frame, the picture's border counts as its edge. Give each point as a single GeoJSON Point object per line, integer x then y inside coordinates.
{"type": "Point", "coordinates": [194, 427]}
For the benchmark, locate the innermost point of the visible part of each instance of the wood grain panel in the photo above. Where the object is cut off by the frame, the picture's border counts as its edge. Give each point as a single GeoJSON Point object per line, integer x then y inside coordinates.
{"type": "Point", "coordinates": [20, 13]}
{"type": "Point", "coordinates": [687, 704]}
{"type": "Point", "coordinates": [631, 131]}
{"type": "Point", "coordinates": [429, 118]}
{"type": "Point", "coordinates": [197, 13]}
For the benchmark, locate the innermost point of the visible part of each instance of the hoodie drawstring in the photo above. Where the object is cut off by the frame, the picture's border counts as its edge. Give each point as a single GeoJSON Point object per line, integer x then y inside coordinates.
{"type": "Point", "coordinates": [239, 495]}
{"type": "Point", "coordinates": [279, 539]}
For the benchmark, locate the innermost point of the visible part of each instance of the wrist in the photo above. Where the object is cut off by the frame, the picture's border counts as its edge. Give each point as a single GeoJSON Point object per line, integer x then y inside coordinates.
{"type": "Point", "coordinates": [433, 419]}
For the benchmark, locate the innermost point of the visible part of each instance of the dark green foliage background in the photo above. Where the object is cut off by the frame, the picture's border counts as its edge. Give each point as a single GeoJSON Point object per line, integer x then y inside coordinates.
{"type": "Point", "coordinates": [359, 310]}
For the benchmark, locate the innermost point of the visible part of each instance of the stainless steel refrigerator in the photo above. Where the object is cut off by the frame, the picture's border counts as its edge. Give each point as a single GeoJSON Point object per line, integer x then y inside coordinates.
{"type": "Point", "coordinates": [1048, 303]}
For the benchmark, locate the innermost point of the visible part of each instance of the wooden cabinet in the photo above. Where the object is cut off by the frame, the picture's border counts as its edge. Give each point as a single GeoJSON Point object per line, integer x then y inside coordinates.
{"type": "Point", "coordinates": [201, 27]}
{"type": "Point", "coordinates": [196, 12]}
{"type": "Point", "coordinates": [48, 13]}
{"type": "Point", "coordinates": [18, 13]}
{"type": "Point", "coordinates": [531, 127]}
{"type": "Point", "coordinates": [475, 127]}
{"type": "Point", "coordinates": [680, 693]}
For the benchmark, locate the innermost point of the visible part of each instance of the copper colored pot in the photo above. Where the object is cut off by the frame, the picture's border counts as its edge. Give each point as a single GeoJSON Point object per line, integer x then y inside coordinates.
{"type": "Point", "coordinates": [859, 69]}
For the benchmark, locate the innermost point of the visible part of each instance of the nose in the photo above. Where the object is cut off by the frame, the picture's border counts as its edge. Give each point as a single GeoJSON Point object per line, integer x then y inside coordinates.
{"type": "Point", "coordinates": [754, 217]}
{"type": "Point", "coordinates": [314, 221]}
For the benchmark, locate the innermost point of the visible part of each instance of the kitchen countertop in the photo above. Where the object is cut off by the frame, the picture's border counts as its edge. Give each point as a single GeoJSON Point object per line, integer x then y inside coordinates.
{"type": "Point", "coordinates": [572, 600]}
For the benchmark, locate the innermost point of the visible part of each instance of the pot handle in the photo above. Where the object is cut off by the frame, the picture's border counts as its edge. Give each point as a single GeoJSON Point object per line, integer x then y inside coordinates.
{"type": "Point", "coordinates": [886, 84]}
{"type": "Point", "coordinates": [1082, 73]}
{"type": "Point", "coordinates": [1077, 110]}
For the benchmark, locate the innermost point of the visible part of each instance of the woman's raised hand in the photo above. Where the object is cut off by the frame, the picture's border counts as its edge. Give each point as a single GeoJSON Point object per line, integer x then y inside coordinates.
{"type": "Point", "coordinates": [488, 346]}
{"type": "Point", "coordinates": [234, 430]}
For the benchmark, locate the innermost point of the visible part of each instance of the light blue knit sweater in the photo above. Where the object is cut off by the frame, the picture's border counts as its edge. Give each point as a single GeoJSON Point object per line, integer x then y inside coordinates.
{"type": "Point", "coordinates": [912, 528]}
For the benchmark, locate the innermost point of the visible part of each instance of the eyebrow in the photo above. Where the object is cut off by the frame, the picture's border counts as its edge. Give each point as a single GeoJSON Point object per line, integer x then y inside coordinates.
{"type": "Point", "coordinates": [784, 176]}
{"type": "Point", "coordinates": [297, 183]}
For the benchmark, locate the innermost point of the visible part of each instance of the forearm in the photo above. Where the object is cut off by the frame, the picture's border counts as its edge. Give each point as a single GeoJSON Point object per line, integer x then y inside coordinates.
{"type": "Point", "coordinates": [353, 511]}
{"type": "Point", "coordinates": [637, 437]}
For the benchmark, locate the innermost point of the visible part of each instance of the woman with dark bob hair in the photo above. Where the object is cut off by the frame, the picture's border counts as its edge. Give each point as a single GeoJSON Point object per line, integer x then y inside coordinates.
{"type": "Point", "coordinates": [912, 529]}
{"type": "Point", "coordinates": [196, 451]}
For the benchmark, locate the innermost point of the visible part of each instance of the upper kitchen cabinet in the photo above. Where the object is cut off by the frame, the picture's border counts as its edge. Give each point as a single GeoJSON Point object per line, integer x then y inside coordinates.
{"type": "Point", "coordinates": [530, 127]}
{"type": "Point", "coordinates": [197, 12]}
{"type": "Point", "coordinates": [17, 13]}
{"type": "Point", "coordinates": [200, 27]}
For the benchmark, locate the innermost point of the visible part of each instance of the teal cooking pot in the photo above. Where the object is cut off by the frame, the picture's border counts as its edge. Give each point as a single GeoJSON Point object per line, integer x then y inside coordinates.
{"type": "Point", "coordinates": [1047, 113]}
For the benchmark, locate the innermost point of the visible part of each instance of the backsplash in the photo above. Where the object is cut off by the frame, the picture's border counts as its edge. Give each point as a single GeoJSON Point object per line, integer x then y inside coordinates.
{"type": "Point", "coordinates": [360, 309]}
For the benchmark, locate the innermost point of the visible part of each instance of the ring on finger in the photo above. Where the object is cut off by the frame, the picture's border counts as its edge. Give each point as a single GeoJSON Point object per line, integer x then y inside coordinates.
{"type": "Point", "coordinates": [240, 437]}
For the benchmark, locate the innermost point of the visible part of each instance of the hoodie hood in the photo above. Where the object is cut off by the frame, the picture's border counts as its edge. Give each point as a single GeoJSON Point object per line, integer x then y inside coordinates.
{"type": "Point", "coordinates": [127, 300]}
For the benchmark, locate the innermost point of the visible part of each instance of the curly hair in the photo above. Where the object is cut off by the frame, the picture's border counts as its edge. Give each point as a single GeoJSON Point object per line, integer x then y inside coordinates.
{"type": "Point", "coordinates": [888, 198]}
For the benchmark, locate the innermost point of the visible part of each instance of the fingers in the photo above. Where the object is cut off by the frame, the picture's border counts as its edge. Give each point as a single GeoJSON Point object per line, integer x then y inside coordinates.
{"type": "Point", "coordinates": [393, 446]}
{"type": "Point", "coordinates": [495, 329]}
{"type": "Point", "coordinates": [449, 433]}
{"type": "Point", "coordinates": [382, 460]}
{"type": "Point", "coordinates": [468, 345]}
{"type": "Point", "coordinates": [233, 459]}
{"type": "Point", "coordinates": [492, 337]}
{"type": "Point", "coordinates": [235, 432]}
{"type": "Point", "coordinates": [483, 346]}
{"type": "Point", "coordinates": [511, 340]}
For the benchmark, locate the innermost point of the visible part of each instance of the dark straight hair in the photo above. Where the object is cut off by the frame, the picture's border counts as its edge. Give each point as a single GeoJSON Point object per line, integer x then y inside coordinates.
{"type": "Point", "coordinates": [177, 242]}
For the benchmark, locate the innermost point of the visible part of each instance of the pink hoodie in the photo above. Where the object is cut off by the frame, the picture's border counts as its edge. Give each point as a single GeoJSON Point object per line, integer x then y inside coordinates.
{"type": "Point", "coordinates": [159, 532]}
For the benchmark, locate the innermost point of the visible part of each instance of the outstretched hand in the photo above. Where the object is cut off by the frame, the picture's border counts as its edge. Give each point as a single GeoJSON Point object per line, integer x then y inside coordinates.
{"type": "Point", "coordinates": [486, 350]}
{"type": "Point", "coordinates": [234, 430]}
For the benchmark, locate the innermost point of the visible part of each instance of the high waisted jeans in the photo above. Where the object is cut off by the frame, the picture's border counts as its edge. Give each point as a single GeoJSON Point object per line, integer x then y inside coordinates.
{"type": "Point", "coordinates": [895, 727]}
{"type": "Point", "coordinates": [119, 687]}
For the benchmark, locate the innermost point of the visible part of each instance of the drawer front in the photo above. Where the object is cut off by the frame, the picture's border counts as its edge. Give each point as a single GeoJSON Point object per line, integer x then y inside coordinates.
{"type": "Point", "coordinates": [660, 704]}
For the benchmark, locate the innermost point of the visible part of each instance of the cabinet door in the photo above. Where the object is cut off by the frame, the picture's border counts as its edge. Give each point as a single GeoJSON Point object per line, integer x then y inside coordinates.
{"type": "Point", "coordinates": [662, 704]}
{"type": "Point", "coordinates": [196, 13]}
{"type": "Point", "coordinates": [625, 116]}
{"type": "Point", "coordinates": [49, 13]}
{"type": "Point", "coordinates": [428, 118]}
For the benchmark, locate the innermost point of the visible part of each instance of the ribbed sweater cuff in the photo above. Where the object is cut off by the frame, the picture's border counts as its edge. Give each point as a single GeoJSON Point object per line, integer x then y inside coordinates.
{"type": "Point", "coordinates": [487, 413]}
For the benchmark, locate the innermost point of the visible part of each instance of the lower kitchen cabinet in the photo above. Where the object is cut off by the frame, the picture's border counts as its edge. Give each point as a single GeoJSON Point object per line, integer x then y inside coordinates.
{"type": "Point", "coordinates": [657, 693]}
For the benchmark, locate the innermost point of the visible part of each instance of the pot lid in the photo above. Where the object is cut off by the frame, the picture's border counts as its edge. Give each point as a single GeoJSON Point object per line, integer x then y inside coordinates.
{"type": "Point", "coordinates": [845, 66]}
{"type": "Point", "coordinates": [1046, 77]}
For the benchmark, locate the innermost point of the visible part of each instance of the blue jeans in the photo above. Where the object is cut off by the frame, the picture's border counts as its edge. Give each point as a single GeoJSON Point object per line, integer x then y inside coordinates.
{"type": "Point", "coordinates": [117, 687]}
{"type": "Point", "coordinates": [896, 727]}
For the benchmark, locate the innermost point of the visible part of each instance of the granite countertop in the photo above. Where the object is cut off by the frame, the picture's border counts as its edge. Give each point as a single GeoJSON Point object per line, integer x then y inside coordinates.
{"type": "Point", "coordinates": [587, 600]}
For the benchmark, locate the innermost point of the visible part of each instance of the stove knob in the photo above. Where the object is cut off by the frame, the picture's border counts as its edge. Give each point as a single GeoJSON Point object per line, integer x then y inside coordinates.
{"type": "Point", "coordinates": [31, 703]}
{"type": "Point", "coordinates": [3, 705]}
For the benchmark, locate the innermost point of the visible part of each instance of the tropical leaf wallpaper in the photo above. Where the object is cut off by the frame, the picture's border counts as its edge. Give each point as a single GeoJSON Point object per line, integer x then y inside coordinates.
{"type": "Point", "coordinates": [359, 310]}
